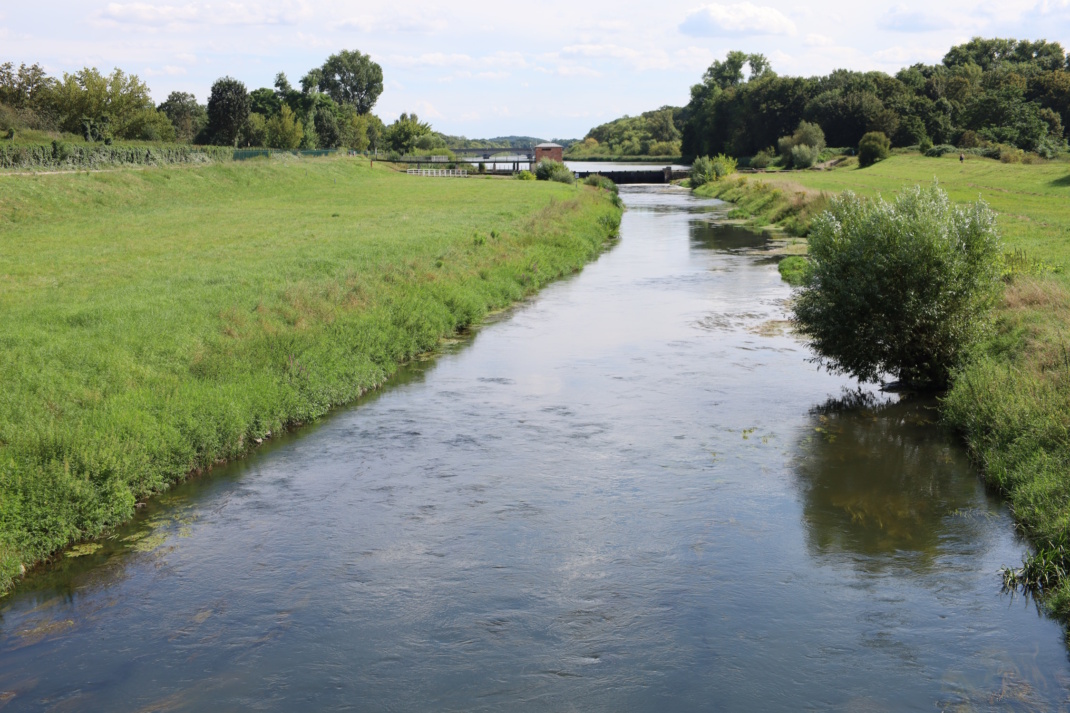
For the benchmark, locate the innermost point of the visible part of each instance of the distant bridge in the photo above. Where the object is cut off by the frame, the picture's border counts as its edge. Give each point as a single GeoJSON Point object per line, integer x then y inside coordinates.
{"type": "Point", "coordinates": [526, 151]}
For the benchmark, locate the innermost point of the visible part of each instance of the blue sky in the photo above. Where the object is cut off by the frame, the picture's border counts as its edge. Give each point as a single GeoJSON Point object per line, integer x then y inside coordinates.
{"type": "Point", "coordinates": [482, 68]}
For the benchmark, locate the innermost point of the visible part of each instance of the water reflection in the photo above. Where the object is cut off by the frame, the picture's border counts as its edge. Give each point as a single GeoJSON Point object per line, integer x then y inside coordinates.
{"type": "Point", "coordinates": [719, 236]}
{"type": "Point", "coordinates": [880, 480]}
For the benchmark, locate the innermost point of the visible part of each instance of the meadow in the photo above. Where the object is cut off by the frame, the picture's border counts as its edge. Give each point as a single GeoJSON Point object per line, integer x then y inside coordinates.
{"type": "Point", "coordinates": [1011, 401]}
{"type": "Point", "coordinates": [157, 322]}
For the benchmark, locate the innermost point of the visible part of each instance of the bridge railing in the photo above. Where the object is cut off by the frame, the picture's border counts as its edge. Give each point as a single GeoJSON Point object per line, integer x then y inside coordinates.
{"type": "Point", "coordinates": [437, 172]}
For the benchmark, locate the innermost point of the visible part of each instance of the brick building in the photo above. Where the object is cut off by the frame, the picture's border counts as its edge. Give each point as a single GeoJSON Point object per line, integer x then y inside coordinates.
{"type": "Point", "coordinates": [555, 152]}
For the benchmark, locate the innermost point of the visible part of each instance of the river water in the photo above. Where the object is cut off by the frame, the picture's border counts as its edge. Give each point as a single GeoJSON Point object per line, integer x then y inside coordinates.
{"type": "Point", "coordinates": [633, 493]}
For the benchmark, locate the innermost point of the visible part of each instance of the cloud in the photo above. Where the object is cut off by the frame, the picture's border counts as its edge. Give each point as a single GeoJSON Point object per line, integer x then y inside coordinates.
{"type": "Point", "coordinates": [717, 20]}
{"type": "Point", "coordinates": [165, 71]}
{"type": "Point", "coordinates": [409, 24]}
{"type": "Point", "coordinates": [231, 13]}
{"type": "Point", "coordinates": [644, 58]}
{"type": "Point", "coordinates": [497, 61]}
{"type": "Point", "coordinates": [902, 19]}
{"type": "Point", "coordinates": [576, 70]}
{"type": "Point", "coordinates": [815, 40]}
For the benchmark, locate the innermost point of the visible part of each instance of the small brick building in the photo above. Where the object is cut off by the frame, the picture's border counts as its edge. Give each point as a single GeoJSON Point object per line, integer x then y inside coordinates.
{"type": "Point", "coordinates": [555, 152]}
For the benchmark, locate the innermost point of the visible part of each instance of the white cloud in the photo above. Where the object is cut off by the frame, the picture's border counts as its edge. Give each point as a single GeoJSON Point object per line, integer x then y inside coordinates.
{"type": "Point", "coordinates": [165, 71]}
{"type": "Point", "coordinates": [644, 58]}
{"type": "Point", "coordinates": [409, 24]}
{"type": "Point", "coordinates": [815, 40]}
{"type": "Point", "coordinates": [717, 20]}
{"type": "Point", "coordinates": [576, 70]}
{"type": "Point", "coordinates": [231, 13]}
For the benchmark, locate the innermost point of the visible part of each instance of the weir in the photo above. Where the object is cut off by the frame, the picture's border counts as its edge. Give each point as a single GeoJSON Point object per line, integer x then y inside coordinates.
{"type": "Point", "coordinates": [637, 176]}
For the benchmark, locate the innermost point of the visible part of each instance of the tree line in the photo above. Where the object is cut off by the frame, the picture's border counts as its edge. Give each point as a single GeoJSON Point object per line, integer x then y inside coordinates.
{"type": "Point", "coordinates": [986, 91]}
{"type": "Point", "coordinates": [331, 108]}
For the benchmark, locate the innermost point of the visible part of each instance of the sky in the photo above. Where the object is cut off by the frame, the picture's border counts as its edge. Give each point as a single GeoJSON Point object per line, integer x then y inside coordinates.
{"type": "Point", "coordinates": [483, 68]}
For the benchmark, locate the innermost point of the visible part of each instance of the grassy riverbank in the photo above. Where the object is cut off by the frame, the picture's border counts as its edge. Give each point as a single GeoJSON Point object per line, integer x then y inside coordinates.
{"type": "Point", "coordinates": [157, 322]}
{"type": "Point", "coordinates": [1012, 402]}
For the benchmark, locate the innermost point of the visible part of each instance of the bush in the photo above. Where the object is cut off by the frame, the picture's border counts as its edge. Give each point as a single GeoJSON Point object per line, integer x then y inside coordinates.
{"type": "Point", "coordinates": [525, 176]}
{"type": "Point", "coordinates": [722, 166]}
{"type": "Point", "coordinates": [701, 171]}
{"type": "Point", "coordinates": [806, 134]}
{"type": "Point", "coordinates": [601, 182]}
{"type": "Point", "coordinates": [550, 170]}
{"type": "Point", "coordinates": [899, 288]}
{"type": "Point", "coordinates": [873, 147]}
{"type": "Point", "coordinates": [803, 156]}
{"type": "Point", "coordinates": [763, 158]}
{"type": "Point", "coordinates": [925, 146]}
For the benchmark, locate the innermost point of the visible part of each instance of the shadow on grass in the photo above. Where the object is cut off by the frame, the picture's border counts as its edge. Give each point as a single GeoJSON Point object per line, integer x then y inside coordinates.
{"type": "Point", "coordinates": [1063, 182]}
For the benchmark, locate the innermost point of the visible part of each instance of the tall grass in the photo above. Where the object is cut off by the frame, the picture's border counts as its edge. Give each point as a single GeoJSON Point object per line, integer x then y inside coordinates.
{"type": "Point", "coordinates": [158, 322]}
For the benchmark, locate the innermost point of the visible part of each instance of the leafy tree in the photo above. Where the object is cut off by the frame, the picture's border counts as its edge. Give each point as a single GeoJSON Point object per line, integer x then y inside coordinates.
{"type": "Point", "coordinates": [228, 110]}
{"type": "Point", "coordinates": [899, 288]}
{"type": "Point", "coordinates": [284, 130]}
{"type": "Point", "coordinates": [265, 102]}
{"type": "Point", "coordinates": [117, 100]}
{"type": "Point", "coordinates": [25, 87]}
{"type": "Point", "coordinates": [254, 132]}
{"type": "Point", "coordinates": [401, 136]}
{"type": "Point", "coordinates": [353, 128]}
{"type": "Point", "coordinates": [186, 115]}
{"type": "Point", "coordinates": [350, 77]}
{"type": "Point", "coordinates": [873, 147]}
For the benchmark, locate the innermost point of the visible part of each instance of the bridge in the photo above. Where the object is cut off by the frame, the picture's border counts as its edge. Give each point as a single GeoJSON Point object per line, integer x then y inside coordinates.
{"type": "Point", "coordinates": [486, 152]}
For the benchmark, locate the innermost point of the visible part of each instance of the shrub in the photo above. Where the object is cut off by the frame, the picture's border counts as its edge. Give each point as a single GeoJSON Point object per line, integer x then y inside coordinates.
{"type": "Point", "coordinates": [1010, 154]}
{"type": "Point", "coordinates": [701, 171]}
{"type": "Point", "coordinates": [873, 147]}
{"type": "Point", "coordinates": [525, 176]}
{"type": "Point", "coordinates": [722, 166]}
{"type": "Point", "coordinates": [550, 170]}
{"type": "Point", "coordinates": [925, 145]}
{"type": "Point", "coordinates": [803, 156]}
{"type": "Point", "coordinates": [806, 134]}
{"type": "Point", "coordinates": [763, 158]}
{"type": "Point", "coordinates": [793, 269]}
{"type": "Point", "coordinates": [601, 182]}
{"type": "Point", "coordinates": [900, 288]}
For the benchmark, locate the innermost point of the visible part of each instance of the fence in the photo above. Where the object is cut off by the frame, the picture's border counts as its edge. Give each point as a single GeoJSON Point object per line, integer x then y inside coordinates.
{"type": "Point", "coordinates": [437, 172]}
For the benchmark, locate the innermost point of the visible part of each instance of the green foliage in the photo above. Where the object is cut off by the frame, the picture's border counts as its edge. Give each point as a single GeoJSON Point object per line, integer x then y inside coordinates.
{"type": "Point", "coordinates": [254, 132]}
{"type": "Point", "coordinates": [925, 145]}
{"type": "Point", "coordinates": [525, 176]}
{"type": "Point", "coordinates": [65, 155]}
{"type": "Point", "coordinates": [166, 342]}
{"type": "Point", "coordinates": [999, 89]}
{"type": "Point", "coordinates": [228, 110]}
{"type": "Point", "coordinates": [804, 156]}
{"type": "Point", "coordinates": [284, 131]}
{"type": "Point", "coordinates": [705, 169]}
{"type": "Point", "coordinates": [652, 133]}
{"type": "Point", "coordinates": [873, 147]}
{"type": "Point", "coordinates": [403, 134]}
{"type": "Point", "coordinates": [350, 77]}
{"type": "Point", "coordinates": [794, 269]}
{"type": "Point", "coordinates": [601, 182]}
{"type": "Point", "coordinates": [550, 170]}
{"type": "Point", "coordinates": [187, 116]}
{"type": "Point", "coordinates": [763, 158]}
{"type": "Point", "coordinates": [901, 288]}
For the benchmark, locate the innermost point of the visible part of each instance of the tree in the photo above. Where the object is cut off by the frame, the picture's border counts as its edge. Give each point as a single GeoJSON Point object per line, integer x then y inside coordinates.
{"type": "Point", "coordinates": [117, 100]}
{"type": "Point", "coordinates": [401, 136]}
{"type": "Point", "coordinates": [899, 288]}
{"type": "Point", "coordinates": [873, 147]}
{"type": "Point", "coordinates": [284, 131]}
{"type": "Point", "coordinates": [264, 101]}
{"type": "Point", "coordinates": [228, 110]}
{"type": "Point", "coordinates": [350, 77]}
{"type": "Point", "coordinates": [187, 116]}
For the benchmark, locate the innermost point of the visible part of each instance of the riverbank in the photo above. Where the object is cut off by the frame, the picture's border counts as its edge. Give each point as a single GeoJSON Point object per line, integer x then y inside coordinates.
{"type": "Point", "coordinates": [1012, 401]}
{"type": "Point", "coordinates": [159, 322]}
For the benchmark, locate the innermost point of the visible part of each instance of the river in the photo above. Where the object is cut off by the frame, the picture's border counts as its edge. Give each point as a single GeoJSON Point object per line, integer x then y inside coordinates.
{"type": "Point", "coordinates": [632, 493]}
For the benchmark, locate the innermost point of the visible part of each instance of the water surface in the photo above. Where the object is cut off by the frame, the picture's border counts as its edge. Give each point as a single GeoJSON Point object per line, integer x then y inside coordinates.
{"type": "Point", "coordinates": [633, 493]}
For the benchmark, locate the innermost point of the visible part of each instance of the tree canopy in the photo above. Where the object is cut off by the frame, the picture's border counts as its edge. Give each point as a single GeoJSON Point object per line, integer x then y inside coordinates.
{"type": "Point", "coordinates": [350, 77]}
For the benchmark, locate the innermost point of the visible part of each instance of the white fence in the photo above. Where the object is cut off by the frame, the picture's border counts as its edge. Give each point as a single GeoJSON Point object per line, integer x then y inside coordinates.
{"type": "Point", "coordinates": [437, 172]}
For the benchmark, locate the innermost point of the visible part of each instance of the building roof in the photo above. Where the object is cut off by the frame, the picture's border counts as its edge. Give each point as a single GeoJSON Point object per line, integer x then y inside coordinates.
{"type": "Point", "coordinates": [549, 145]}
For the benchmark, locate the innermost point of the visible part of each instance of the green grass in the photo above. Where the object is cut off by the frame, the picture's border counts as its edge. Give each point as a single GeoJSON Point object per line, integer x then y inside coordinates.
{"type": "Point", "coordinates": [1012, 400]}
{"type": "Point", "coordinates": [157, 322]}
